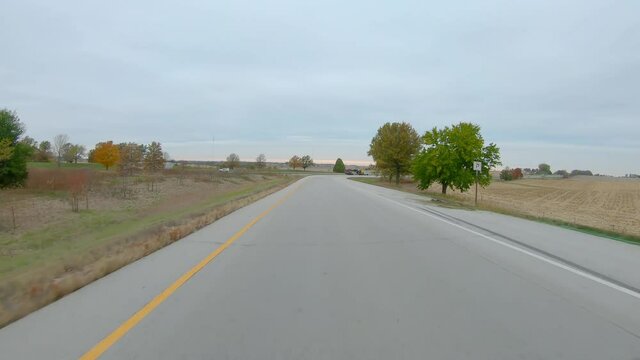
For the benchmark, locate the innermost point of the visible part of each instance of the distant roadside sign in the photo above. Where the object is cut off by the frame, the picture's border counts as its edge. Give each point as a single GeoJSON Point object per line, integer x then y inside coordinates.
{"type": "Point", "coordinates": [477, 166]}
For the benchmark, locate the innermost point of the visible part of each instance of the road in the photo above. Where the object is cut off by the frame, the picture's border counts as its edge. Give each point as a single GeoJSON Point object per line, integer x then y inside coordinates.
{"type": "Point", "coordinates": [329, 268]}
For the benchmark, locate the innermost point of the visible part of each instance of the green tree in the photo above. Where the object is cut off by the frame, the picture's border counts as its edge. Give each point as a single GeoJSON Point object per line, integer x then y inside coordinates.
{"type": "Point", "coordinates": [72, 153]}
{"type": "Point", "coordinates": [394, 147]}
{"type": "Point", "coordinates": [131, 158]}
{"type": "Point", "coordinates": [233, 161]}
{"type": "Point", "coordinates": [306, 161]}
{"type": "Point", "coordinates": [66, 153]}
{"type": "Point", "coordinates": [33, 144]}
{"type": "Point", "coordinates": [60, 141]}
{"type": "Point", "coordinates": [448, 158]}
{"type": "Point", "coordinates": [6, 149]}
{"type": "Point", "coordinates": [79, 151]}
{"type": "Point", "coordinates": [43, 154]}
{"type": "Point", "coordinates": [339, 166]}
{"type": "Point", "coordinates": [154, 157]}
{"type": "Point", "coordinates": [544, 169]}
{"type": "Point", "coordinates": [13, 153]}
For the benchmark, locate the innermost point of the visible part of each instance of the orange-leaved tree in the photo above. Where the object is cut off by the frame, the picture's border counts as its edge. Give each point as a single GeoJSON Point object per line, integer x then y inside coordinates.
{"type": "Point", "coordinates": [107, 154]}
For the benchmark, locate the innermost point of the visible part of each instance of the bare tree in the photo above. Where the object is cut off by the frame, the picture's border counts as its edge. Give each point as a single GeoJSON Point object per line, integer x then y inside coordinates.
{"type": "Point", "coordinates": [261, 161]}
{"type": "Point", "coordinates": [78, 182]}
{"type": "Point", "coordinates": [130, 163]}
{"type": "Point", "coordinates": [59, 146]}
{"type": "Point", "coordinates": [181, 166]}
{"type": "Point", "coordinates": [306, 161]}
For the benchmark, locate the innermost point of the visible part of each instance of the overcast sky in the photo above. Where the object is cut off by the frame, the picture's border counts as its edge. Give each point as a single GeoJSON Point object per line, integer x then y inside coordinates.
{"type": "Point", "coordinates": [548, 81]}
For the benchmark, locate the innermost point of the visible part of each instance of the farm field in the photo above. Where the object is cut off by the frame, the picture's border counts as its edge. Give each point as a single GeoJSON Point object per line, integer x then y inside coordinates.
{"type": "Point", "coordinates": [47, 250]}
{"type": "Point", "coordinates": [604, 203]}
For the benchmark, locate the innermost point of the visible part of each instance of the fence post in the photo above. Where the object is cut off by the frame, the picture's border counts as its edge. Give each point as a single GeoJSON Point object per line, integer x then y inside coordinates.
{"type": "Point", "coordinates": [13, 216]}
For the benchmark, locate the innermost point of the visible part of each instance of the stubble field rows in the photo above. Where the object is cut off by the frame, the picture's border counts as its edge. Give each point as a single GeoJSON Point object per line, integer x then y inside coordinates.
{"type": "Point", "coordinates": [611, 204]}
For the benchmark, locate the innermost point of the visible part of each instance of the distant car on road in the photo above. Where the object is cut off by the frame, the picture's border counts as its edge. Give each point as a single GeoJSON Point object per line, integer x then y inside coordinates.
{"type": "Point", "coordinates": [224, 170]}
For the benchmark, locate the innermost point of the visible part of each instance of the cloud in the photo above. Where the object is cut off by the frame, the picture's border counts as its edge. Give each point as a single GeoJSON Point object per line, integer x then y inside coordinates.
{"type": "Point", "coordinates": [285, 77]}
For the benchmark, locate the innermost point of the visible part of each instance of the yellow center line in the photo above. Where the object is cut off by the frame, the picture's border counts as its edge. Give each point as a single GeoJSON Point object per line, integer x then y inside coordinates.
{"type": "Point", "coordinates": [131, 322]}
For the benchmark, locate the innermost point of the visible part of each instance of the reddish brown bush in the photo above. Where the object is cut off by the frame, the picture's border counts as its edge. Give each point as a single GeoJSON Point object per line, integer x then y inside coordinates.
{"type": "Point", "coordinates": [77, 182]}
{"type": "Point", "coordinates": [46, 179]}
{"type": "Point", "coordinates": [516, 173]}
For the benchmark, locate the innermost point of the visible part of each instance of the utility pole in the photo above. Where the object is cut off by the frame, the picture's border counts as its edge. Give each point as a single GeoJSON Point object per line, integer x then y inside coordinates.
{"type": "Point", "coordinates": [213, 164]}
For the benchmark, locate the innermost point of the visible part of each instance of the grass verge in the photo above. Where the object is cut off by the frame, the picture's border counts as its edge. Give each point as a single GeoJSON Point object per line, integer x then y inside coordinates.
{"type": "Point", "coordinates": [63, 258]}
{"type": "Point", "coordinates": [449, 202]}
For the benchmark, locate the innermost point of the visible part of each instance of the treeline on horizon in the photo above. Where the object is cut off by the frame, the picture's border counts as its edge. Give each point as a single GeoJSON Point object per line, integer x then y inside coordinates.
{"type": "Point", "coordinates": [16, 150]}
{"type": "Point", "coordinates": [445, 156]}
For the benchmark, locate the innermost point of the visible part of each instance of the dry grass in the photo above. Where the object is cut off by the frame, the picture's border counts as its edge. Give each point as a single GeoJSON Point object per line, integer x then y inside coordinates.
{"type": "Point", "coordinates": [54, 251]}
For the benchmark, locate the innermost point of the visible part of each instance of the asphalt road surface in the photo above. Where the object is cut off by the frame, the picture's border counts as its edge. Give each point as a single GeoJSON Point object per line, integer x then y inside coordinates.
{"type": "Point", "coordinates": [329, 268]}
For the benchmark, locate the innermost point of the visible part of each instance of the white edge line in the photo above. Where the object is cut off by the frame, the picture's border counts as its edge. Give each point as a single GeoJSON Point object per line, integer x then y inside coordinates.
{"type": "Point", "coordinates": [534, 255]}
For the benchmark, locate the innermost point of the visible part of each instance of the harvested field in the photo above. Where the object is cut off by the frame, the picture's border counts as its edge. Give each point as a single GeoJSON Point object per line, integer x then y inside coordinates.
{"type": "Point", "coordinates": [609, 204]}
{"type": "Point", "coordinates": [604, 203]}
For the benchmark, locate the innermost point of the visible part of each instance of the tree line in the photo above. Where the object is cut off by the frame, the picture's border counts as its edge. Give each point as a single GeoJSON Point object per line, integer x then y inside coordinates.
{"type": "Point", "coordinates": [445, 156]}
{"type": "Point", "coordinates": [61, 150]}
{"type": "Point", "coordinates": [543, 169]}
{"type": "Point", "coordinates": [295, 162]}
{"type": "Point", "coordinates": [233, 161]}
{"type": "Point", "coordinates": [16, 150]}
{"type": "Point", "coordinates": [130, 157]}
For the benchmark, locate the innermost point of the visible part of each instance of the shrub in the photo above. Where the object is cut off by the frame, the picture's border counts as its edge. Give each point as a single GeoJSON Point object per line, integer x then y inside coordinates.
{"type": "Point", "coordinates": [506, 174]}
{"type": "Point", "coordinates": [581, 172]}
